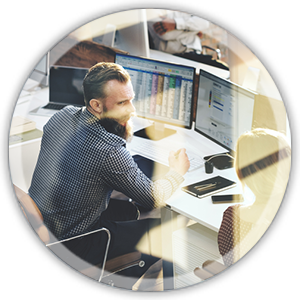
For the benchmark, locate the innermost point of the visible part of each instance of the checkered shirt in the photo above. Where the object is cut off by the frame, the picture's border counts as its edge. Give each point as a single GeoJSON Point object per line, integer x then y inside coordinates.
{"type": "Point", "coordinates": [78, 167]}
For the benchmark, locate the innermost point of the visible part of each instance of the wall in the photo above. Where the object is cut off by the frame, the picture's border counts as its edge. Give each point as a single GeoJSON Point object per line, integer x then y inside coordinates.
{"type": "Point", "coordinates": [97, 27]}
{"type": "Point", "coordinates": [240, 58]}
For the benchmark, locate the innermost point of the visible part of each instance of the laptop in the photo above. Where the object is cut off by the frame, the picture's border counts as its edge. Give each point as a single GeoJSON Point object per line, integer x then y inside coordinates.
{"type": "Point", "coordinates": [65, 88]}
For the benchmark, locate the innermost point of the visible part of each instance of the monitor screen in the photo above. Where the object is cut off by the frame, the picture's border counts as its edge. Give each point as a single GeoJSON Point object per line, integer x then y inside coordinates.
{"type": "Point", "coordinates": [163, 91]}
{"type": "Point", "coordinates": [224, 110]}
{"type": "Point", "coordinates": [65, 85]}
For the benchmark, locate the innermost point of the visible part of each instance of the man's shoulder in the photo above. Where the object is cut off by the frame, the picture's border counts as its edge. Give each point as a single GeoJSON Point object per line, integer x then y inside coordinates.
{"type": "Point", "coordinates": [80, 121]}
{"type": "Point", "coordinates": [67, 111]}
{"type": "Point", "coordinates": [71, 110]}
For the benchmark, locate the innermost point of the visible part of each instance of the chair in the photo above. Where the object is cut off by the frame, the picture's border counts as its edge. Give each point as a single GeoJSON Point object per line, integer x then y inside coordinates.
{"type": "Point", "coordinates": [209, 269]}
{"type": "Point", "coordinates": [108, 268]}
{"type": "Point", "coordinates": [205, 58]}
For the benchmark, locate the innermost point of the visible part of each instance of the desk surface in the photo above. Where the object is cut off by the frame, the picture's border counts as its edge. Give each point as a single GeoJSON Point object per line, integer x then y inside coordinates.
{"type": "Point", "coordinates": [30, 102]}
{"type": "Point", "coordinates": [200, 210]}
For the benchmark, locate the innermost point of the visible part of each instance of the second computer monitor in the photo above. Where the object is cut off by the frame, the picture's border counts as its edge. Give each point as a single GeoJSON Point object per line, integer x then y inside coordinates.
{"type": "Point", "coordinates": [224, 110]}
{"type": "Point", "coordinates": [163, 91]}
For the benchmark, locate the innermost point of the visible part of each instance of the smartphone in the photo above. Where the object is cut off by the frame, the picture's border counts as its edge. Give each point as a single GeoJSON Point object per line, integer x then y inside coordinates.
{"type": "Point", "coordinates": [236, 198]}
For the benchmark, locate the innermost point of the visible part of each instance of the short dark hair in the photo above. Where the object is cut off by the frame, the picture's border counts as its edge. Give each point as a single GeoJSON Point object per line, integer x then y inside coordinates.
{"type": "Point", "coordinates": [95, 80]}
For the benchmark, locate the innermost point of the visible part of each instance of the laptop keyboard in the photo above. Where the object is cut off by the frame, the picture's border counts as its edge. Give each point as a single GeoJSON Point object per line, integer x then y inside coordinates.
{"type": "Point", "coordinates": [54, 106]}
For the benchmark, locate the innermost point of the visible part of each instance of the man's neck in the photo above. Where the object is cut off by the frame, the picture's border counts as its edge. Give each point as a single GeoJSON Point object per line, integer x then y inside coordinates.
{"type": "Point", "coordinates": [93, 112]}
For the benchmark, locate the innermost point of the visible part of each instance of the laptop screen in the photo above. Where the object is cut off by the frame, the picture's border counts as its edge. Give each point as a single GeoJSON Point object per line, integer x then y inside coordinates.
{"type": "Point", "coordinates": [65, 85]}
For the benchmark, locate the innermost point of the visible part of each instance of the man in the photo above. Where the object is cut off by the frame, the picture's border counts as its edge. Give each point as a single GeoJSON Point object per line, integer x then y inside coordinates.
{"type": "Point", "coordinates": [177, 32]}
{"type": "Point", "coordinates": [83, 158]}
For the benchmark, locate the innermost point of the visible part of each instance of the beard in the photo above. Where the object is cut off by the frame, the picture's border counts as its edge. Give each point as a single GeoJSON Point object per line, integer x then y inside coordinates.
{"type": "Point", "coordinates": [113, 126]}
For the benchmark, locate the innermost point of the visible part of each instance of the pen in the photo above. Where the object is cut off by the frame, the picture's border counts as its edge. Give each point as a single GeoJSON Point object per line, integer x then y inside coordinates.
{"type": "Point", "coordinates": [204, 187]}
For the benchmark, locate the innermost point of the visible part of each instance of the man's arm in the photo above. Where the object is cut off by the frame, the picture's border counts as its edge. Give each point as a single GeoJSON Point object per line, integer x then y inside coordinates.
{"type": "Point", "coordinates": [189, 22]}
{"type": "Point", "coordinates": [165, 25]}
{"type": "Point", "coordinates": [122, 174]}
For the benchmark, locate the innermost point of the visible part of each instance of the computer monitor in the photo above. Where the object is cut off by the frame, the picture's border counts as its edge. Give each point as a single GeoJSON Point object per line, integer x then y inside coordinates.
{"type": "Point", "coordinates": [65, 85]}
{"type": "Point", "coordinates": [163, 93]}
{"type": "Point", "coordinates": [41, 71]}
{"type": "Point", "coordinates": [134, 39]}
{"type": "Point", "coordinates": [126, 30]}
{"type": "Point", "coordinates": [224, 111]}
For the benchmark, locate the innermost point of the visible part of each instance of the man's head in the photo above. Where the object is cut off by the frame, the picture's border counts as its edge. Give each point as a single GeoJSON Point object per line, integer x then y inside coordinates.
{"type": "Point", "coordinates": [95, 80]}
{"type": "Point", "coordinates": [108, 93]}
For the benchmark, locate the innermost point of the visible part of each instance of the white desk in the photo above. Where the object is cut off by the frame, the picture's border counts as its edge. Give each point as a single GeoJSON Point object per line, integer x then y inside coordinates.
{"type": "Point", "coordinates": [23, 156]}
{"type": "Point", "coordinates": [28, 103]}
{"type": "Point", "coordinates": [183, 207]}
{"type": "Point", "coordinates": [200, 210]}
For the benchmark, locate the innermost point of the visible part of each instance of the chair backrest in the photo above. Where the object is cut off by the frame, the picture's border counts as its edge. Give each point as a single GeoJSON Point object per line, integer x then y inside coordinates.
{"type": "Point", "coordinates": [32, 214]}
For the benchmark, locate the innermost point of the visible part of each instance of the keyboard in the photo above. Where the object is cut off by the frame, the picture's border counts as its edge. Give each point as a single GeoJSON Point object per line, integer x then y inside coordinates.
{"type": "Point", "coordinates": [54, 106]}
{"type": "Point", "coordinates": [161, 154]}
{"type": "Point", "coordinates": [58, 106]}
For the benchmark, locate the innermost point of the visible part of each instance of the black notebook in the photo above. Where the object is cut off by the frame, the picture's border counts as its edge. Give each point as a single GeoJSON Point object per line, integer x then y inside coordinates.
{"type": "Point", "coordinates": [208, 187]}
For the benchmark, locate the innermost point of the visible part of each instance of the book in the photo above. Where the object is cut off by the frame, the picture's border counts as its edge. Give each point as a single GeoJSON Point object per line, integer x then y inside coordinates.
{"type": "Point", "coordinates": [25, 136]}
{"type": "Point", "coordinates": [208, 187]}
{"type": "Point", "coordinates": [20, 124]}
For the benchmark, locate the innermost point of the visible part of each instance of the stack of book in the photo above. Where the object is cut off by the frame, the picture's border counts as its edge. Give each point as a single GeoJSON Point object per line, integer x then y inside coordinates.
{"type": "Point", "coordinates": [20, 125]}
{"type": "Point", "coordinates": [23, 130]}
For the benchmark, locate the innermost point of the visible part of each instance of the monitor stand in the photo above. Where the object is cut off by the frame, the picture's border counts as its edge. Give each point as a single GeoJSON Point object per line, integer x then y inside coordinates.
{"type": "Point", "coordinates": [221, 161]}
{"type": "Point", "coordinates": [155, 132]}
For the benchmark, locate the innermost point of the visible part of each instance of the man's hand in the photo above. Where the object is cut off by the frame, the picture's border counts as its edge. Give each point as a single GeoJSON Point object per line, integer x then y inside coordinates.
{"type": "Point", "coordinates": [165, 25]}
{"type": "Point", "coordinates": [179, 162]}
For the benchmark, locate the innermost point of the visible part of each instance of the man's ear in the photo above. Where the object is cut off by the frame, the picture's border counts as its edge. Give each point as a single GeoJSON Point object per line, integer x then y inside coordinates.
{"type": "Point", "coordinates": [96, 105]}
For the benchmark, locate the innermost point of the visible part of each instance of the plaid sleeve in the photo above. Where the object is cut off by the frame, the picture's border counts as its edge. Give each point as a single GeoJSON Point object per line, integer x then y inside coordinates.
{"type": "Point", "coordinates": [122, 174]}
